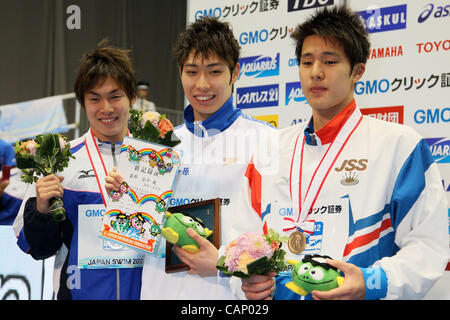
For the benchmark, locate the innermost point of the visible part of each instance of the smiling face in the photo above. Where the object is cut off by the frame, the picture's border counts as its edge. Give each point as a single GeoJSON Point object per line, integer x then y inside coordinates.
{"type": "Point", "coordinates": [107, 109]}
{"type": "Point", "coordinates": [207, 83]}
{"type": "Point", "coordinates": [326, 78]}
{"type": "Point", "coordinates": [137, 223]}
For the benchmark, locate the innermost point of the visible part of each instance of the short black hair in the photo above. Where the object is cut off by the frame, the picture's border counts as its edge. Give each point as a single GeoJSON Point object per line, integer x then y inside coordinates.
{"type": "Point", "coordinates": [337, 24]}
{"type": "Point", "coordinates": [208, 36]}
{"type": "Point", "coordinates": [103, 62]}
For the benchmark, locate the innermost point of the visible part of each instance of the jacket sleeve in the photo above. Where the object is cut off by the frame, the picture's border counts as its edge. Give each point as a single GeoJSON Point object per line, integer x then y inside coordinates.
{"type": "Point", "coordinates": [418, 208]}
{"type": "Point", "coordinates": [42, 233]}
{"type": "Point", "coordinates": [9, 207]}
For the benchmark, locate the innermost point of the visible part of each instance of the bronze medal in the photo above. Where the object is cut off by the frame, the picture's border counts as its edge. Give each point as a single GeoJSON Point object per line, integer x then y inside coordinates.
{"type": "Point", "coordinates": [297, 242]}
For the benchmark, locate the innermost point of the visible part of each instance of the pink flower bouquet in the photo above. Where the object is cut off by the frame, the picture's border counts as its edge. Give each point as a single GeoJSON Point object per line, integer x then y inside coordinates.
{"type": "Point", "coordinates": [46, 154]}
{"type": "Point", "coordinates": [153, 127]}
{"type": "Point", "coordinates": [253, 253]}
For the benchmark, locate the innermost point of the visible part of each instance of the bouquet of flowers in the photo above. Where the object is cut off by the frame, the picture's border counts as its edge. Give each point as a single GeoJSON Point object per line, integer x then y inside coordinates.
{"type": "Point", "coordinates": [46, 154]}
{"type": "Point", "coordinates": [152, 126]}
{"type": "Point", "coordinates": [253, 254]}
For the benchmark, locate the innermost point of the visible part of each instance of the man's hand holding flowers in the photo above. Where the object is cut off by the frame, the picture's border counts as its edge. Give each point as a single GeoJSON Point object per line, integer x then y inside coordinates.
{"type": "Point", "coordinates": [39, 160]}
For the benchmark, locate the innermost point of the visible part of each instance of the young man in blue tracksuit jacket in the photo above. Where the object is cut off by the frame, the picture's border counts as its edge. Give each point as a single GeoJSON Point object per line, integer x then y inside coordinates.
{"type": "Point", "coordinates": [105, 87]}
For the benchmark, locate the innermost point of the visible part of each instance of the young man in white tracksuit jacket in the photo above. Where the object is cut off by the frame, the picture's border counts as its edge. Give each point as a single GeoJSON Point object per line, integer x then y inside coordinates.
{"type": "Point", "coordinates": [207, 173]}
{"type": "Point", "coordinates": [363, 191]}
{"type": "Point", "coordinates": [217, 141]}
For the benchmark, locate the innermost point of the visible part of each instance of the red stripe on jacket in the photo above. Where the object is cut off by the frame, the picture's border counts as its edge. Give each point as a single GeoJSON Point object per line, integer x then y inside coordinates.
{"type": "Point", "coordinates": [367, 238]}
{"type": "Point", "coordinates": [254, 181]}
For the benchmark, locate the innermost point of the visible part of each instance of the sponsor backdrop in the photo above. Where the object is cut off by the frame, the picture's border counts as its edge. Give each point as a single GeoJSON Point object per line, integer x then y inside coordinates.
{"type": "Point", "coordinates": [407, 77]}
{"type": "Point", "coordinates": [407, 80]}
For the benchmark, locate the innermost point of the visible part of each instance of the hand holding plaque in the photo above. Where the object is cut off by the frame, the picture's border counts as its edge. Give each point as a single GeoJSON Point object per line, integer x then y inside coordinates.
{"type": "Point", "coordinates": [193, 251]}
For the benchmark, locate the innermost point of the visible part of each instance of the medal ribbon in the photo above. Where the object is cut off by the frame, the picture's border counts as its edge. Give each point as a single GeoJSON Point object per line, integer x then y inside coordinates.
{"type": "Point", "coordinates": [307, 226]}
{"type": "Point", "coordinates": [97, 163]}
{"type": "Point", "coordinates": [304, 207]}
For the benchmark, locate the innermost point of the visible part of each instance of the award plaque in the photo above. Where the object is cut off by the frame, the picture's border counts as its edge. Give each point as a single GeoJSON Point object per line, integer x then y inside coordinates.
{"type": "Point", "coordinates": [208, 212]}
{"type": "Point", "coordinates": [134, 213]}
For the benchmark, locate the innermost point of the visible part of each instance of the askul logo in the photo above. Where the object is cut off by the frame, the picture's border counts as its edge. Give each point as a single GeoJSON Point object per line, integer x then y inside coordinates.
{"type": "Point", "coordinates": [441, 11]}
{"type": "Point", "coordinates": [294, 92]}
{"type": "Point", "coordinates": [259, 66]}
{"type": "Point", "coordinates": [384, 19]}
{"type": "Point", "coordinates": [440, 149]}
{"type": "Point", "coordinates": [294, 5]}
{"type": "Point", "coordinates": [257, 97]}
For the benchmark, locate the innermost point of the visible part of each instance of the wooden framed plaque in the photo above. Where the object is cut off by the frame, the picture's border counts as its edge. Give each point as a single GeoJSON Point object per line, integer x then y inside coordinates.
{"type": "Point", "coordinates": [208, 212]}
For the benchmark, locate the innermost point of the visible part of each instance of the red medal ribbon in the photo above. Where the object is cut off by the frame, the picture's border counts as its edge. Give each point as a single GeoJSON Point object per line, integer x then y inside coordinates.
{"type": "Point", "coordinates": [305, 205]}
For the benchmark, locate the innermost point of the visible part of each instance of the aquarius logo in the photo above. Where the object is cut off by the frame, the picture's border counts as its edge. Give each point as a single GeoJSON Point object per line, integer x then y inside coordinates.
{"type": "Point", "coordinates": [294, 92]}
{"type": "Point", "coordinates": [259, 66]}
{"type": "Point", "coordinates": [440, 149]}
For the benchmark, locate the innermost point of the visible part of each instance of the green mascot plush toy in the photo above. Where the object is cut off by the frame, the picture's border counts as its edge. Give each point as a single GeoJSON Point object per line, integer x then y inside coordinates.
{"type": "Point", "coordinates": [175, 230]}
{"type": "Point", "coordinates": [313, 273]}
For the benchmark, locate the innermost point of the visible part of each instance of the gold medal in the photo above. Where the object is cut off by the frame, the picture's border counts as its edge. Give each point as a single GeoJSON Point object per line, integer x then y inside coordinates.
{"type": "Point", "coordinates": [297, 242]}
